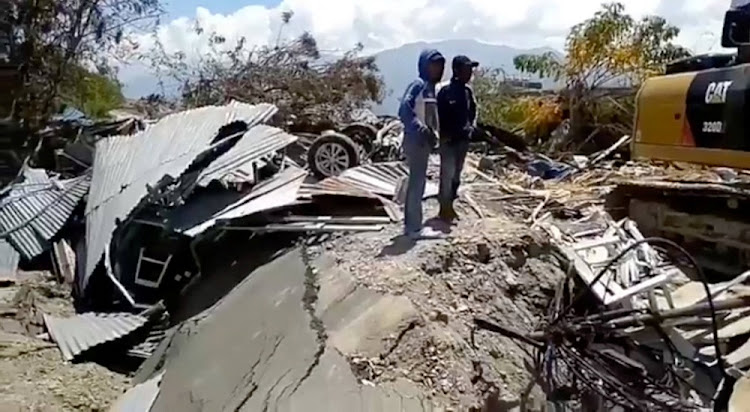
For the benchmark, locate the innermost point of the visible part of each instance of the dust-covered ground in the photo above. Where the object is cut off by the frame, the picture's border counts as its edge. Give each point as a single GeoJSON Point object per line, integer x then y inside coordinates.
{"type": "Point", "coordinates": [494, 266]}
{"type": "Point", "coordinates": [496, 263]}
{"type": "Point", "coordinates": [33, 375]}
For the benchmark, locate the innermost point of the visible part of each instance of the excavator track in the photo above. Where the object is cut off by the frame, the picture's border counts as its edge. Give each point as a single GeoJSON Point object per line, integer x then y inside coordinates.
{"type": "Point", "coordinates": [708, 219]}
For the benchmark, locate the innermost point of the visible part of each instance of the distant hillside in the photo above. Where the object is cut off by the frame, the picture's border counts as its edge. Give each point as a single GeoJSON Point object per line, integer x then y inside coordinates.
{"type": "Point", "coordinates": [399, 66]}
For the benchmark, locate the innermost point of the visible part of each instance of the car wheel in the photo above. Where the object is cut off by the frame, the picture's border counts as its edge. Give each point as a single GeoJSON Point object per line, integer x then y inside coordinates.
{"type": "Point", "coordinates": [331, 154]}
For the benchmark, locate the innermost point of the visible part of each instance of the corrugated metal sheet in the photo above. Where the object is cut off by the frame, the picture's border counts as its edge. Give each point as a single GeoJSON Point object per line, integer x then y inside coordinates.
{"type": "Point", "coordinates": [72, 115]}
{"type": "Point", "coordinates": [82, 332]}
{"type": "Point", "coordinates": [125, 165]}
{"type": "Point", "coordinates": [9, 259]}
{"type": "Point", "coordinates": [318, 227]}
{"type": "Point", "coordinates": [279, 191]}
{"type": "Point", "coordinates": [378, 179]}
{"type": "Point", "coordinates": [36, 209]}
{"type": "Point", "coordinates": [258, 142]}
{"type": "Point", "coordinates": [334, 186]}
{"type": "Point", "coordinates": [139, 398]}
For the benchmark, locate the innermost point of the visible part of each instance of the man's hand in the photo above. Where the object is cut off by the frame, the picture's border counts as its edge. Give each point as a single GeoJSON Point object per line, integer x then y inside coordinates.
{"type": "Point", "coordinates": [424, 130]}
{"type": "Point", "coordinates": [470, 132]}
{"type": "Point", "coordinates": [432, 139]}
{"type": "Point", "coordinates": [428, 134]}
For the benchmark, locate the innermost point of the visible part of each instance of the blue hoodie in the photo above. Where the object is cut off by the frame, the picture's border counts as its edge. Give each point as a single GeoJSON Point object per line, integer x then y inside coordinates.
{"type": "Point", "coordinates": [418, 109]}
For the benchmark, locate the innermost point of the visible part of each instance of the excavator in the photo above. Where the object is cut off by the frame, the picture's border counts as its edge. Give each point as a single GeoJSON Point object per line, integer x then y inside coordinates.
{"type": "Point", "coordinates": [699, 113]}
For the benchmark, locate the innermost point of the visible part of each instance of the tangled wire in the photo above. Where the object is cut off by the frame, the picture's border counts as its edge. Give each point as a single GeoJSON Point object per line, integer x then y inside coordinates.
{"type": "Point", "coordinates": [580, 360]}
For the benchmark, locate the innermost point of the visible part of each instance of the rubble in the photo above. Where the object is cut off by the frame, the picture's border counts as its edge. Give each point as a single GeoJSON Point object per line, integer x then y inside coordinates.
{"type": "Point", "coordinates": [35, 378]}
{"type": "Point", "coordinates": [35, 209]}
{"type": "Point", "coordinates": [541, 292]}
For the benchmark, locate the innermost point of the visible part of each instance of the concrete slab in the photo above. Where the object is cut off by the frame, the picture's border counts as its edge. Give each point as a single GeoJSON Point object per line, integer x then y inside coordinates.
{"type": "Point", "coordinates": [740, 399]}
{"type": "Point", "coordinates": [360, 321]}
{"type": "Point", "coordinates": [264, 348]}
{"type": "Point", "coordinates": [372, 331]}
{"type": "Point", "coordinates": [255, 346]}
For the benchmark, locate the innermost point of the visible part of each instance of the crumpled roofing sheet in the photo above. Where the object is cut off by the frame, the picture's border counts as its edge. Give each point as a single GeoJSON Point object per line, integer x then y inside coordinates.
{"type": "Point", "coordinates": [377, 178]}
{"type": "Point", "coordinates": [80, 333]}
{"type": "Point", "coordinates": [258, 142]}
{"type": "Point", "coordinates": [279, 191]}
{"type": "Point", "coordinates": [125, 165]}
{"type": "Point", "coordinates": [37, 208]}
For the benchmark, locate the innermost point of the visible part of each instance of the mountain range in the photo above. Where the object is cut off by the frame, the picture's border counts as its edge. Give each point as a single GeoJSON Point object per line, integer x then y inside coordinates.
{"type": "Point", "coordinates": [398, 67]}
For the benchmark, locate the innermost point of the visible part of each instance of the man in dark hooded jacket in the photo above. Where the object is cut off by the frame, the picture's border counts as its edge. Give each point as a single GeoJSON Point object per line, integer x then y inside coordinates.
{"type": "Point", "coordinates": [419, 114]}
{"type": "Point", "coordinates": [458, 114]}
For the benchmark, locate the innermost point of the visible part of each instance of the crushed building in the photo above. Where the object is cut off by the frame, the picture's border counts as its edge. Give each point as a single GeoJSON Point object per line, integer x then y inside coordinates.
{"type": "Point", "coordinates": [137, 206]}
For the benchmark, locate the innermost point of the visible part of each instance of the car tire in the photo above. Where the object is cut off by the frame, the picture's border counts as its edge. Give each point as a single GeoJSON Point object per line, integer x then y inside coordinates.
{"type": "Point", "coordinates": [332, 153]}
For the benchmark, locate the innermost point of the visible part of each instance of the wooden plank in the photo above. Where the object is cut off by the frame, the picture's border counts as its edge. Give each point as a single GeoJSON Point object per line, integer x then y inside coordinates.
{"type": "Point", "coordinates": [65, 261]}
{"type": "Point", "coordinates": [644, 286]}
{"type": "Point", "coordinates": [693, 293]}
{"type": "Point", "coordinates": [588, 244]}
{"type": "Point", "coordinates": [721, 288]}
{"type": "Point", "coordinates": [740, 358]}
{"type": "Point", "coordinates": [584, 271]}
{"type": "Point", "coordinates": [359, 220]}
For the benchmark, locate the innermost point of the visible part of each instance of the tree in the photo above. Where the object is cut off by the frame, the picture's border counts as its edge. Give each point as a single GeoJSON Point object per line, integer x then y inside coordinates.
{"type": "Point", "coordinates": [609, 49]}
{"type": "Point", "coordinates": [51, 38]}
{"type": "Point", "coordinates": [493, 97]}
{"type": "Point", "coordinates": [93, 93]}
{"type": "Point", "coordinates": [305, 86]}
{"type": "Point", "coordinates": [501, 105]}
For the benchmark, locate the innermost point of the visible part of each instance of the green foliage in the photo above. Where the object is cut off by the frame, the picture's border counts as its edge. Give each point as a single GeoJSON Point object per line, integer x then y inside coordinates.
{"type": "Point", "coordinates": [613, 49]}
{"type": "Point", "coordinates": [503, 106]}
{"type": "Point", "coordinates": [93, 93]}
{"type": "Point", "coordinates": [52, 38]}
{"type": "Point", "coordinates": [610, 45]}
{"type": "Point", "coordinates": [544, 65]}
{"type": "Point", "coordinates": [493, 97]}
{"type": "Point", "coordinates": [305, 86]}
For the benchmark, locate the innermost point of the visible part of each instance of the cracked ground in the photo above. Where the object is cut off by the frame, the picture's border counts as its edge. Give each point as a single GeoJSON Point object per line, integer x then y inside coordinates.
{"type": "Point", "coordinates": [363, 322]}
{"type": "Point", "coordinates": [494, 267]}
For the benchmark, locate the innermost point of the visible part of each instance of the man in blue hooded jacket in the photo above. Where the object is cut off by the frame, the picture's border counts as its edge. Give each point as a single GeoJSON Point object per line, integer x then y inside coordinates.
{"type": "Point", "coordinates": [419, 114]}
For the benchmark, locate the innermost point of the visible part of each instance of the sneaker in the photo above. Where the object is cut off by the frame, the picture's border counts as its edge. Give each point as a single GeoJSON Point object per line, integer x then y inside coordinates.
{"type": "Point", "coordinates": [427, 233]}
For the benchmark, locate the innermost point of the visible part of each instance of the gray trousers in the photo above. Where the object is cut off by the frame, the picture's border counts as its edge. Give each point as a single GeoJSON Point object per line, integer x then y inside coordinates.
{"type": "Point", "coordinates": [417, 158]}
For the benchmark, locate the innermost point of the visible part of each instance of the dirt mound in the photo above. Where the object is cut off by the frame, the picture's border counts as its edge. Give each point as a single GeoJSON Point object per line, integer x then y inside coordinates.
{"type": "Point", "coordinates": [34, 376]}
{"type": "Point", "coordinates": [494, 267]}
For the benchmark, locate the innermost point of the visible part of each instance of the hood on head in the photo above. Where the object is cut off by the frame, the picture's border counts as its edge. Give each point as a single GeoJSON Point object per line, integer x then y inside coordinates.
{"type": "Point", "coordinates": [427, 56]}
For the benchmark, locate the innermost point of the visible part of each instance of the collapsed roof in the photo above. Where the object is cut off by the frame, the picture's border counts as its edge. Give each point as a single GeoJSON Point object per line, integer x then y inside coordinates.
{"type": "Point", "coordinates": [35, 209]}
{"type": "Point", "coordinates": [127, 169]}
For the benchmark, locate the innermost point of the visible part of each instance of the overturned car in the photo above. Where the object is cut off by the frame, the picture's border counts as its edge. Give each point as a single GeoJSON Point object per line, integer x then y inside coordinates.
{"type": "Point", "coordinates": [332, 152]}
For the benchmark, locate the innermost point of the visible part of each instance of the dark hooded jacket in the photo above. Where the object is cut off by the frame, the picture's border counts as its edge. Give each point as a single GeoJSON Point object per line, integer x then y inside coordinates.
{"type": "Point", "coordinates": [458, 111]}
{"type": "Point", "coordinates": [418, 110]}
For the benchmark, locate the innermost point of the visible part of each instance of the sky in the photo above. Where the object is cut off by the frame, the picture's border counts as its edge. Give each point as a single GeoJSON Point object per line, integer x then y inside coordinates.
{"type": "Point", "coordinates": [383, 24]}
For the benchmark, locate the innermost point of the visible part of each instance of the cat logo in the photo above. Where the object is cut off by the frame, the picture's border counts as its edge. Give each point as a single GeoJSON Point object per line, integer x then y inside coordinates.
{"type": "Point", "coordinates": [716, 92]}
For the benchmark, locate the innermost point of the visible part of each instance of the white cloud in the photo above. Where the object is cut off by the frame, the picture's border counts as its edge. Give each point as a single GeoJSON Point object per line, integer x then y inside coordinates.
{"type": "Point", "coordinates": [383, 24]}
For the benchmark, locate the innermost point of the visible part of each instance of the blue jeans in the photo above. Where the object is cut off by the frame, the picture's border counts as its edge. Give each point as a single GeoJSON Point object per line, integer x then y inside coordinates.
{"type": "Point", "coordinates": [417, 157]}
{"type": "Point", "coordinates": [452, 157]}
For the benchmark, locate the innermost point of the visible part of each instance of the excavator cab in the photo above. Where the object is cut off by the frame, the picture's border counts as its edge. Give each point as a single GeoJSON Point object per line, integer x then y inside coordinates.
{"type": "Point", "coordinates": [736, 32]}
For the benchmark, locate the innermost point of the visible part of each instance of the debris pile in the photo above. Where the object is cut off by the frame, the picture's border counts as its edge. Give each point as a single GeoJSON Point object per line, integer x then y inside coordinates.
{"type": "Point", "coordinates": [652, 342]}
{"type": "Point", "coordinates": [142, 204]}
{"type": "Point", "coordinates": [148, 224]}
